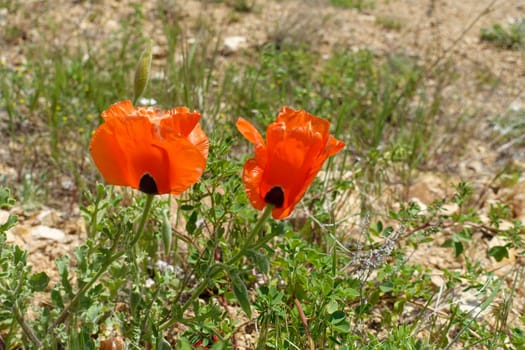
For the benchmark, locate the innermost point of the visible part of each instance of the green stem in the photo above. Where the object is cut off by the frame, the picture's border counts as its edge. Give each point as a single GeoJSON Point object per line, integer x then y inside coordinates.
{"type": "Point", "coordinates": [214, 270]}
{"type": "Point", "coordinates": [28, 331]}
{"type": "Point", "coordinates": [113, 257]}
{"type": "Point", "coordinates": [145, 214]}
{"type": "Point", "coordinates": [252, 236]}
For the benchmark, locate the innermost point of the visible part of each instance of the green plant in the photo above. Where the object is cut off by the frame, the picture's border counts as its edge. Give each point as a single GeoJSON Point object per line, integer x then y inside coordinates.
{"type": "Point", "coordinates": [390, 23]}
{"type": "Point", "coordinates": [512, 37]}
{"type": "Point", "coordinates": [353, 4]}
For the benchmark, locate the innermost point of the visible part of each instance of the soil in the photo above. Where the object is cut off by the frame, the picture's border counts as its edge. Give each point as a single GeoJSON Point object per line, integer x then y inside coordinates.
{"type": "Point", "coordinates": [487, 82]}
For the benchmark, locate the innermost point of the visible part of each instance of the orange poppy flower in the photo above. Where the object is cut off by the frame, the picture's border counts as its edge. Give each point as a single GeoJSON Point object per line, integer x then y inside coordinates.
{"type": "Point", "coordinates": [149, 149]}
{"type": "Point", "coordinates": [297, 144]}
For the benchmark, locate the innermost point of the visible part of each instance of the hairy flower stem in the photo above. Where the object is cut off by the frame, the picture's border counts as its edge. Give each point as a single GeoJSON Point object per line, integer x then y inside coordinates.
{"type": "Point", "coordinates": [114, 256]}
{"type": "Point", "coordinates": [215, 269]}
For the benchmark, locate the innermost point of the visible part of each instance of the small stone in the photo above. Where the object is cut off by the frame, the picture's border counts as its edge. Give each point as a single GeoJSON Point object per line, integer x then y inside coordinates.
{"type": "Point", "coordinates": [449, 209]}
{"type": "Point", "coordinates": [437, 280]}
{"type": "Point", "coordinates": [4, 215]}
{"type": "Point", "coordinates": [422, 206]}
{"type": "Point", "coordinates": [427, 188]}
{"type": "Point", "coordinates": [233, 44]}
{"type": "Point", "coordinates": [48, 217]}
{"type": "Point", "coordinates": [46, 232]}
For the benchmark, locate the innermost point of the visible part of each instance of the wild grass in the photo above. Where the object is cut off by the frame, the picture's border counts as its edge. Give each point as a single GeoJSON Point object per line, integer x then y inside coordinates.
{"type": "Point", "coordinates": [324, 282]}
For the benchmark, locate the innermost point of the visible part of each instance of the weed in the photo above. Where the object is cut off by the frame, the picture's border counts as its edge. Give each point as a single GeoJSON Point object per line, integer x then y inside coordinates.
{"type": "Point", "coordinates": [390, 23]}
{"type": "Point", "coordinates": [353, 4]}
{"type": "Point", "coordinates": [512, 37]}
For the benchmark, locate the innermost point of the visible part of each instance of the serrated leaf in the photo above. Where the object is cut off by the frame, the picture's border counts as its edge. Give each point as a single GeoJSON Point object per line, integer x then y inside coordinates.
{"type": "Point", "coordinates": [10, 222]}
{"type": "Point", "coordinates": [62, 265]}
{"type": "Point", "coordinates": [241, 293]}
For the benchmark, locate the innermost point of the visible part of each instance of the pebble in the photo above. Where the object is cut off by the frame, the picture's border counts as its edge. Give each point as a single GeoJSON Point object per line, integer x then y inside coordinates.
{"type": "Point", "coordinates": [46, 232]}
{"type": "Point", "coordinates": [233, 44]}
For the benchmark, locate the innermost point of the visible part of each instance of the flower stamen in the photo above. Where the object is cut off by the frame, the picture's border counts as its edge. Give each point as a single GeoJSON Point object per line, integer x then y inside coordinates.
{"type": "Point", "coordinates": [148, 185]}
{"type": "Point", "coordinates": [275, 197]}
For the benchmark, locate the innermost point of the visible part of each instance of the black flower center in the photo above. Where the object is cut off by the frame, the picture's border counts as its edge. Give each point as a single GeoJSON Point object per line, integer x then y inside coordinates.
{"type": "Point", "coordinates": [275, 197]}
{"type": "Point", "coordinates": [148, 185]}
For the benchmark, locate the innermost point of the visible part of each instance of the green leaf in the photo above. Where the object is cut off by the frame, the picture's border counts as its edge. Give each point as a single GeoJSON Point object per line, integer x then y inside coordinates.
{"type": "Point", "coordinates": [5, 198]}
{"type": "Point", "coordinates": [19, 256]}
{"type": "Point", "coordinates": [56, 298]}
{"type": "Point", "coordinates": [499, 252]}
{"type": "Point", "coordinates": [351, 293]}
{"type": "Point", "coordinates": [260, 260]}
{"type": "Point", "coordinates": [191, 225]}
{"type": "Point", "coordinates": [62, 265]}
{"type": "Point", "coordinates": [38, 281]}
{"type": "Point", "coordinates": [184, 344]}
{"type": "Point", "coordinates": [332, 307]}
{"type": "Point", "coordinates": [218, 346]}
{"type": "Point", "coordinates": [339, 321]}
{"type": "Point", "coordinates": [11, 221]}
{"type": "Point", "coordinates": [386, 287]}
{"type": "Point", "coordinates": [458, 248]}
{"type": "Point", "coordinates": [162, 344]}
{"type": "Point", "coordinates": [135, 300]}
{"type": "Point", "coordinates": [241, 292]}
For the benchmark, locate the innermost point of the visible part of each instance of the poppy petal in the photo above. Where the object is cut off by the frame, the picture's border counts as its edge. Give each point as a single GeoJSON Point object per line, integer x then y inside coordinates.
{"type": "Point", "coordinates": [186, 164]}
{"type": "Point", "coordinates": [253, 135]}
{"type": "Point", "coordinates": [150, 149]}
{"type": "Point", "coordinates": [297, 145]}
{"type": "Point", "coordinates": [282, 213]}
{"type": "Point", "coordinates": [334, 145]}
{"type": "Point", "coordinates": [249, 132]}
{"type": "Point", "coordinates": [302, 120]}
{"type": "Point", "coordinates": [136, 137]}
{"type": "Point", "coordinates": [199, 139]}
{"type": "Point", "coordinates": [181, 121]}
{"type": "Point", "coordinates": [109, 157]}
{"type": "Point", "coordinates": [251, 177]}
{"type": "Point", "coordinates": [119, 110]}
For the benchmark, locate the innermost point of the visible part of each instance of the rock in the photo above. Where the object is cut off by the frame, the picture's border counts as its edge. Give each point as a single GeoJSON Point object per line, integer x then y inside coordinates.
{"type": "Point", "coordinates": [158, 51]}
{"type": "Point", "coordinates": [449, 209]}
{"type": "Point", "coordinates": [17, 235]}
{"type": "Point", "coordinates": [46, 232]}
{"type": "Point", "coordinates": [422, 206]}
{"type": "Point", "coordinates": [437, 280]}
{"type": "Point", "coordinates": [514, 196]}
{"type": "Point", "coordinates": [427, 188]}
{"type": "Point", "coordinates": [471, 303]}
{"type": "Point", "coordinates": [4, 215]}
{"type": "Point", "coordinates": [48, 217]}
{"type": "Point", "coordinates": [233, 44]}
